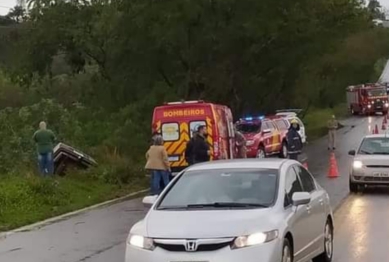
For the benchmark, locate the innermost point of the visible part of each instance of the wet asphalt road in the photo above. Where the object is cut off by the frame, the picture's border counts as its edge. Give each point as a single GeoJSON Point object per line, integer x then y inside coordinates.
{"type": "Point", "coordinates": [100, 235]}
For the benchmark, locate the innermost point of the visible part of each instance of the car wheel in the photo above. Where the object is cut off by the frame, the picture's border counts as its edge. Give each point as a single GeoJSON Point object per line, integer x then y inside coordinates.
{"type": "Point", "coordinates": [326, 256]}
{"type": "Point", "coordinates": [261, 152]}
{"type": "Point", "coordinates": [287, 252]}
{"type": "Point", "coordinates": [353, 187]}
{"type": "Point", "coordinates": [284, 150]}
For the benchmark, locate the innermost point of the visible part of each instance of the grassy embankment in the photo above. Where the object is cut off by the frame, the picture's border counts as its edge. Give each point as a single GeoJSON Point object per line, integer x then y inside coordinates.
{"type": "Point", "coordinates": [25, 199]}
{"type": "Point", "coordinates": [316, 120]}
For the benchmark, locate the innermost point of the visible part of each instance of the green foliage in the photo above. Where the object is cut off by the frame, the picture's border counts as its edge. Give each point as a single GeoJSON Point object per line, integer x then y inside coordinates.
{"type": "Point", "coordinates": [94, 70]}
{"type": "Point", "coordinates": [24, 200]}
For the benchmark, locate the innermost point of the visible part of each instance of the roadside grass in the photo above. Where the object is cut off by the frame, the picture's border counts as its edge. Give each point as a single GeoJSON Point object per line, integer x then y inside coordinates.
{"type": "Point", "coordinates": [315, 120]}
{"type": "Point", "coordinates": [28, 199]}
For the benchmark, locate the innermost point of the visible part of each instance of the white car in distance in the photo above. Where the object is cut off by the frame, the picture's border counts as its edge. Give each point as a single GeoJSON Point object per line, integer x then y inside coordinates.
{"type": "Point", "coordinates": [370, 164]}
{"type": "Point", "coordinates": [236, 210]}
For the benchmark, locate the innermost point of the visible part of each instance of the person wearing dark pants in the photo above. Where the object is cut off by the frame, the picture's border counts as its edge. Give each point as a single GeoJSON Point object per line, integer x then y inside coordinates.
{"type": "Point", "coordinates": [294, 141]}
{"type": "Point", "coordinates": [158, 164]}
{"type": "Point", "coordinates": [44, 139]}
{"type": "Point", "coordinates": [200, 148]}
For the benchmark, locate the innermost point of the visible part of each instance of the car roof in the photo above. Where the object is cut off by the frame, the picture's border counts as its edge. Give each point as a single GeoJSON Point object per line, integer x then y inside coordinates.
{"type": "Point", "coordinates": [271, 163]}
{"type": "Point", "coordinates": [377, 136]}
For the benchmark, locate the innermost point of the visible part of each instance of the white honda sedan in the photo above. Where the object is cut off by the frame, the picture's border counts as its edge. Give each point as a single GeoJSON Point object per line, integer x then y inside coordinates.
{"type": "Point", "coordinates": [268, 210]}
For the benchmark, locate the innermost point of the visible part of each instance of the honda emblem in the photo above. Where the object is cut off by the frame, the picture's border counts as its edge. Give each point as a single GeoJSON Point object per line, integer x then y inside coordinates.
{"type": "Point", "coordinates": [191, 246]}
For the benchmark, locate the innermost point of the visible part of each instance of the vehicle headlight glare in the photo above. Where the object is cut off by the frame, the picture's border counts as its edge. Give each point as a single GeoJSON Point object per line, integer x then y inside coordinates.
{"type": "Point", "coordinates": [141, 242]}
{"type": "Point", "coordinates": [249, 142]}
{"type": "Point", "coordinates": [357, 164]}
{"type": "Point", "coordinates": [368, 106]}
{"type": "Point", "coordinates": [254, 239]}
{"type": "Point", "coordinates": [386, 104]}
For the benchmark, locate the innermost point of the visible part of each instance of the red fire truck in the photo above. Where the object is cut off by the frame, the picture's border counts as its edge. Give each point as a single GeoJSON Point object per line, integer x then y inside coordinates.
{"type": "Point", "coordinates": [367, 99]}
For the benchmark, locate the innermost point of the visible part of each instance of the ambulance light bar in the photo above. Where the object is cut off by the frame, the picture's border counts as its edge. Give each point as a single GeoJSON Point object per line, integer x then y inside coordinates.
{"type": "Point", "coordinates": [250, 118]}
{"type": "Point", "coordinates": [185, 102]}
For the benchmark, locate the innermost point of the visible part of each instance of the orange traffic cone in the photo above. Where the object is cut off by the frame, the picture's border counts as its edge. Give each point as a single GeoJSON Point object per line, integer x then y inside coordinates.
{"type": "Point", "coordinates": [383, 125]}
{"type": "Point", "coordinates": [333, 170]}
{"type": "Point", "coordinates": [376, 129]}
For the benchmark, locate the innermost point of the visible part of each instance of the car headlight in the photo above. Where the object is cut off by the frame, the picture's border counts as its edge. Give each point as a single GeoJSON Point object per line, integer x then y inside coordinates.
{"type": "Point", "coordinates": [368, 106]}
{"type": "Point", "coordinates": [249, 142]}
{"type": "Point", "coordinates": [386, 104]}
{"type": "Point", "coordinates": [357, 164]}
{"type": "Point", "coordinates": [141, 242]}
{"type": "Point", "coordinates": [254, 239]}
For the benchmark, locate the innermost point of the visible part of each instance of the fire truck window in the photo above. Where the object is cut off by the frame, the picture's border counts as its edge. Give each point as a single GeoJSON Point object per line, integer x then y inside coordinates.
{"type": "Point", "coordinates": [281, 124]}
{"type": "Point", "coordinates": [267, 125]}
{"type": "Point", "coordinates": [170, 132]}
{"type": "Point", "coordinates": [194, 125]}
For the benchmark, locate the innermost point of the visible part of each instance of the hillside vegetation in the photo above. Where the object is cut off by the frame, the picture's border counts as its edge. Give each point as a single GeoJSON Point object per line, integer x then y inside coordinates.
{"type": "Point", "coordinates": [94, 70]}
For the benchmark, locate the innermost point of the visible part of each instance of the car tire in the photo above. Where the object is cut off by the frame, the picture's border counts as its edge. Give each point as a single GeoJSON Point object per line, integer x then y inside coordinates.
{"type": "Point", "coordinates": [261, 153]}
{"type": "Point", "coordinates": [287, 251]}
{"type": "Point", "coordinates": [328, 253]}
{"type": "Point", "coordinates": [284, 150]}
{"type": "Point", "coordinates": [353, 187]}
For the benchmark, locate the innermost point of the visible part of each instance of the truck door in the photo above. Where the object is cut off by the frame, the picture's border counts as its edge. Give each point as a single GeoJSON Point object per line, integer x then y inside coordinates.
{"type": "Point", "coordinates": [267, 135]}
{"type": "Point", "coordinates": [231, 133]}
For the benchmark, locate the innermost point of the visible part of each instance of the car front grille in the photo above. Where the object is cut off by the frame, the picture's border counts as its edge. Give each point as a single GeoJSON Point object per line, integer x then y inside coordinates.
{"type": "Point", "coordinates": [200, 248]}
{"type": "Point", "coordinates": [376, 179]}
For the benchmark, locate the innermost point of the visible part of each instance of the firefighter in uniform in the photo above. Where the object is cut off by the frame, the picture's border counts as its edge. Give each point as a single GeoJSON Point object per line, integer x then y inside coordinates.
{"type": "Point", "coordinates": [295, 144]}
{"type": "Point", "coordinates": [332, 127]}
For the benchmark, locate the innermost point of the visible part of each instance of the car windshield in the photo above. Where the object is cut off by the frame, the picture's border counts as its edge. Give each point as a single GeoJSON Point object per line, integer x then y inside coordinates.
{"type": "Point", "coordinates": [374, 146]}
{"type": "Point", "coordinates": [222, 189]}
{"type": "Point", "coordinates": [249, 127]}
{"type": "Point", "coordinates": [376, 92]}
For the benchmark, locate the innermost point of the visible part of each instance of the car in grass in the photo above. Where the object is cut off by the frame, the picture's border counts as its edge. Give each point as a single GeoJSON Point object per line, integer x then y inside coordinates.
{"type": "Point", "coordinates": [291, 114]}
{"type": "Point", "coordinates": [370, 165]}
{"type": "Point", "coordinates": [250, 210]}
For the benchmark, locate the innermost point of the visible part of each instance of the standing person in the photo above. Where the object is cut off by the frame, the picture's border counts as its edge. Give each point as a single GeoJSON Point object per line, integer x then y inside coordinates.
{"type": "Point", "coordinates": [200, 148]}
{"type": "Point", "coordinates": [240, 144]}
{"type": "Point", "coordinates": [158, 164]}
{"type": "Point", "coordinates": [295, 144]}
{"type": "Point", "coordinates": [44, 139]}
{"type": "Point", "coordinates": [189, 157]}
{"type": "Point", "coordinates": [332, 125]}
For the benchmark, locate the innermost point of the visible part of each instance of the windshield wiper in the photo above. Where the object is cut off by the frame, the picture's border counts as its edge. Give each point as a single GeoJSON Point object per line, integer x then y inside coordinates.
{"type": "Point", "coordinates": [381, 153]}
{"type": "Point", "coordinates": [227, 204]}
{"type": "Point", "coordinates": [365, 152]}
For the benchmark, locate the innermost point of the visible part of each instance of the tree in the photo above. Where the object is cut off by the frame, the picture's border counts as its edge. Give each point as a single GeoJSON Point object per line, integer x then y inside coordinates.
{"type": "Point", "coordinates": [374, 7]}
{"type": "Point", "coordinates": [17, 14]}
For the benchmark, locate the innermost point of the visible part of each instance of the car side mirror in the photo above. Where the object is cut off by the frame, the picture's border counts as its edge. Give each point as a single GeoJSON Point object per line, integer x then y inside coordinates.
{"type": "Point", "coordinates": [351, 152]}
{"type": "Point", "coordinates": [266, 131]}
{"type": "Point", "coordinates": [301, 198]}
{"type": "Point", "coordinates": [149, 201]}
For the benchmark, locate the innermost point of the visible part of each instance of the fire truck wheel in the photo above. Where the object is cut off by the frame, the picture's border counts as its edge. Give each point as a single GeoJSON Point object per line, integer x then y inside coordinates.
{"type": "Point", "coordinates": [261, 153]}
{"type": "Point", "coordinates": [284, 150]}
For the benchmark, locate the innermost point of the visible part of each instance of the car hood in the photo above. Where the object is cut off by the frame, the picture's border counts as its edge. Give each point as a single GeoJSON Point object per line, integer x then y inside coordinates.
{"type": "Point", "coordinates": [250, 136]}
{"type": "Point", "coordinates": [208, 223]}
{"type": "Point", "coordinates": [375, 160]}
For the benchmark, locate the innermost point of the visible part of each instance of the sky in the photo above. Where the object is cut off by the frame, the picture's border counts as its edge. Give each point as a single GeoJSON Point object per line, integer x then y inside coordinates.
{"type": "Point", "coordinates": [5, 5]}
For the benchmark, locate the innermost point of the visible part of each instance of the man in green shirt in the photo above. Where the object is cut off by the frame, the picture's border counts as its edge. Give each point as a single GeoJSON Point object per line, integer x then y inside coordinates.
{"type": "Point", "coordinates": [44, 139]}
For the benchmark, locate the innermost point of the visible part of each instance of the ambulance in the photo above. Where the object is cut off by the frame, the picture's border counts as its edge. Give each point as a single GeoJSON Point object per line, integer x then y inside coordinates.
{"type": "Point", "coordinates": [176, 122]}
